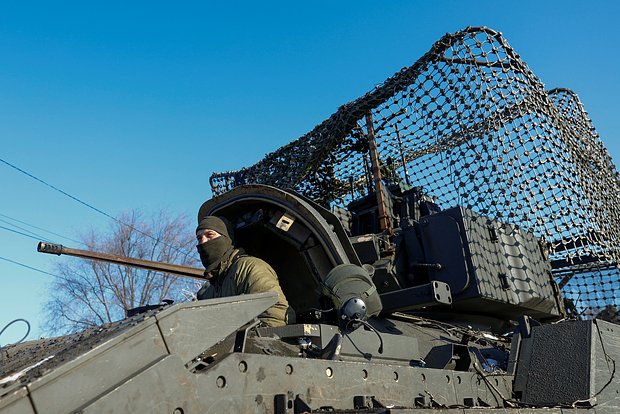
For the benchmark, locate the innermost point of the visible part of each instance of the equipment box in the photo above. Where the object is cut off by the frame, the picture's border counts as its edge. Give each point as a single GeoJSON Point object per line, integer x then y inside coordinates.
{"type": "Point", "coordinates": [489, 264]}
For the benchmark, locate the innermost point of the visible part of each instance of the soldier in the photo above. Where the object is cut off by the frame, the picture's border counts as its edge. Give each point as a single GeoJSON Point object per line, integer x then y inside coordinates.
{"type": "Point", "coordinates": [231, 272]}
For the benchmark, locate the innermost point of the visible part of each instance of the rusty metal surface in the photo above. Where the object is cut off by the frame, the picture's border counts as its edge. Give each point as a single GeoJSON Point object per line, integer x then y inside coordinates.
{"type": "Point", "coordinates": [472, 125]}
{"type": "Point", "coordinates": [176, 269]}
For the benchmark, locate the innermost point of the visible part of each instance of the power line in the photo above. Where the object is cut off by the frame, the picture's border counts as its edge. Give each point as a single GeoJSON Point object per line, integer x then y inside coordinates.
{"type": "Point", "coordinates": [21, 228]}
{"type": "Point", "coordinates": [28, 267]}
{"type": "Point", "coordinates": [92, 207]}
{"type": "Point", "coordinates": [38, 228]}
{"type": "Point", "coordinates": [19, 232]}
{"type": "Point", "coordinates": [57, 189]}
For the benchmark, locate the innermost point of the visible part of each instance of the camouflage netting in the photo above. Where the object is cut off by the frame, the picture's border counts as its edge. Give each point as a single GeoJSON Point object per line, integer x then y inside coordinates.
{"type": "Point", "coordinates": [472, 125]}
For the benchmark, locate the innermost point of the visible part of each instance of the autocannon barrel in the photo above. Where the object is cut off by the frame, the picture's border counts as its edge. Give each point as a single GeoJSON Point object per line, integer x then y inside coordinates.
{"type": "Point", "coordinates": [59, 249]}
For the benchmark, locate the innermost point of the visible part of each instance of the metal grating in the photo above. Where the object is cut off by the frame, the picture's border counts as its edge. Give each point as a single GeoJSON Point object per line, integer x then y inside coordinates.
{"type": "Point", "coordinates": [471, 125]}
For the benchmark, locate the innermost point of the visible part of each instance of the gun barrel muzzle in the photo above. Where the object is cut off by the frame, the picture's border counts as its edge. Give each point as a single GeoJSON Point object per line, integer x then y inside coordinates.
{"type": "Point", "coordinates": [50, 248]}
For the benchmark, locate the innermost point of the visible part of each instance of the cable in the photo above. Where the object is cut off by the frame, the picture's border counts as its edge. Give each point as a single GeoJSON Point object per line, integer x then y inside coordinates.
{"type": "Point", "coordinates": [40, 228]}
{"type": "Point", "coordinates": [57, 189]}
{"type": "Point", "coordinates": [372, 328]}
{"type": "Point", "coordinates": [21, 228]}
{"type": "Point", "coordinates": [449, 328]}
{"type": "Point", "coordinates": [91, 206]}
{"type": "Point", "coordinates": [28, 267]}
{"type": "Point", "coordinates": [11, 323]}
{"type": "Point", "coordinates": [20, 233]}
{"type": "Point", "coordinates": [508, 402]}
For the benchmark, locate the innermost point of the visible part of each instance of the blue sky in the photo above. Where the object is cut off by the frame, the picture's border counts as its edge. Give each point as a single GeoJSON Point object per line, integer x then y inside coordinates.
{"type": "Point", "coordinates": [134, 104]}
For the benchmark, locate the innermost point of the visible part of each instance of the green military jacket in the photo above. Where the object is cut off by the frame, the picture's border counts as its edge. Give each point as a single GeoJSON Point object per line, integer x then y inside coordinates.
{"type": "Point", "coordinates": [239, 274]}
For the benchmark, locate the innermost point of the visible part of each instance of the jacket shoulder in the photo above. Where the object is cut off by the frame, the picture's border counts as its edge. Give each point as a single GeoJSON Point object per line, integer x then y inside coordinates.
{"type": "Point", "coordinates": [252, 262]}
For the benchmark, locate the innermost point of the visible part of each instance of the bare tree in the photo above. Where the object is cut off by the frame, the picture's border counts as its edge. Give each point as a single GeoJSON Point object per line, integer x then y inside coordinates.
{"type": "Point", "coordinates": [90, 293]}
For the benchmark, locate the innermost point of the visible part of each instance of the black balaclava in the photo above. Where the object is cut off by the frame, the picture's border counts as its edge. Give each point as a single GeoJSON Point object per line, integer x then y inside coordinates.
{"type": "Point", "coordinates": [212, 251]}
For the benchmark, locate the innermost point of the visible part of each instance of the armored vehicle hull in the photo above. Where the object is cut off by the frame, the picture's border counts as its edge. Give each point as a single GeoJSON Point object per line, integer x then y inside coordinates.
{"type": "Point", "coordinates": [199, 357]}
{"type": "Point", "coordinates": [214, 356]}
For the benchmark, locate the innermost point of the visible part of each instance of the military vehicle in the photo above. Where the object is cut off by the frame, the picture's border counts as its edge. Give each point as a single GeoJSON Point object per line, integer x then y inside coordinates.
{"type": "Point", "coordinates": [448, 242]}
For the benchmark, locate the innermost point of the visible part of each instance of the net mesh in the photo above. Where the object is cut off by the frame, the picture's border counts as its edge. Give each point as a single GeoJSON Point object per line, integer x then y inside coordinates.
{"type": "Point", "coordinates": [471, 125]}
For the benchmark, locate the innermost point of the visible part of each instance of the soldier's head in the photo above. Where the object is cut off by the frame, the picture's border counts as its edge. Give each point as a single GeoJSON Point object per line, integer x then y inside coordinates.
{"type": "Point", "coordinates": [214, 237]}
{"type": "Point", "coordinates": [212, 227]}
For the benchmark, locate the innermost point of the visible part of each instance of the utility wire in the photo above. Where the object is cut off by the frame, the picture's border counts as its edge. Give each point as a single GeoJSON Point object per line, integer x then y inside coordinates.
{"type": "Point", "coordinates": [21, 228]}
{"type": "Point", "coordinates": [28, 267]}
{"type": "Point", "coordinates": [19, 232]}
{"type": "Point", "coordinates": [91, 206]}
{"type": "Point", "coordinates": [38, 228]}
{"type": "Point", "coordinates": [57, 189]}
